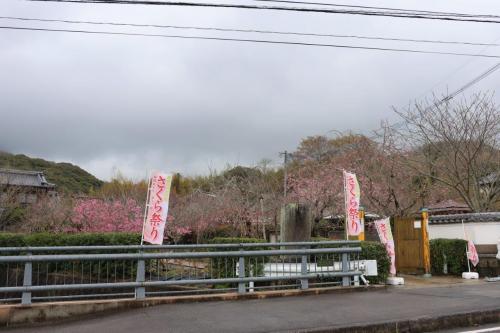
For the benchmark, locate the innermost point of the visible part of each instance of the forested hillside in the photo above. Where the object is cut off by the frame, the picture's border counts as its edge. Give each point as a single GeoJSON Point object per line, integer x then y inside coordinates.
{"type": "Point", "coordinates": [68, 177]}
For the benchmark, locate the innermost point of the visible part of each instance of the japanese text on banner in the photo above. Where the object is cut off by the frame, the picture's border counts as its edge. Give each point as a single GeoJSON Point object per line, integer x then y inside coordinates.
{"type": "Point", "coordinates": [352, 199]}
{"type": "Point", "coordinates": [157, 212]}
{"type": "Point", "coordinates": [385, 234]}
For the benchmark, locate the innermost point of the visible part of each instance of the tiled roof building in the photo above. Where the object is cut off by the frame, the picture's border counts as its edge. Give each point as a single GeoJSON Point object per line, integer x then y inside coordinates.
{"type": "Point", "coordinates": [24, 178]}
{"type": "Point", "coordinates": [24, 187]}
{"type": "Point", "coordinates": [448, 207]}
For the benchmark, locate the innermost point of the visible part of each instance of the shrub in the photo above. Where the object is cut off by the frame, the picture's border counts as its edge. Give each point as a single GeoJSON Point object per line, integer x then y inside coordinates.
{"type": "Point", "coordinates": [370, 251]}
{"type": "Point", "coordinates": [449, 252]}
{"type": "Point", "coordinates": [222, 231]}
{"type": "Point", "coordinates": [91, 269]}
{"type": "Point", "coordinates": [53, 239]}
{"type": "Point", "coordinates": [12, 240]}
{"type": "Point", "coordinates": [323, 228]}
{"type": "Point", "coordinates": [235, 240]}
{"type": "Point", "coordinates": [376, 251]}
{"type": "Point", "coordinates": [226, 267]}
{"type": "Point", "coordinates": [11, 216]}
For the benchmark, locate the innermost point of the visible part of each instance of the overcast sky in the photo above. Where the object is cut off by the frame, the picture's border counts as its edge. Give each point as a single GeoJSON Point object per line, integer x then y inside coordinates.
{"type": "Point", "coordinates": [133, 104]}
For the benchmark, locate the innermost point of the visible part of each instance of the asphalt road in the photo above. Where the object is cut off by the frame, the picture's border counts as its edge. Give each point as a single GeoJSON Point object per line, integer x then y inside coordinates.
{"type": "Point", "coordinates": [494, 328]}
{"type": "Point", "coordinates": [291, 313]}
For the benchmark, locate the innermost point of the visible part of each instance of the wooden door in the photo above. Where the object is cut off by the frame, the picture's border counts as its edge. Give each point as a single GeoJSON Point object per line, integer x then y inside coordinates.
{"type": "Point", "coordinates": [408, 242]}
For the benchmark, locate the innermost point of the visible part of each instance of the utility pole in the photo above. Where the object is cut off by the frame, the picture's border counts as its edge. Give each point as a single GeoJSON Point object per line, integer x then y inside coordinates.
{"type": "Point", "coordinates": [285, 155]}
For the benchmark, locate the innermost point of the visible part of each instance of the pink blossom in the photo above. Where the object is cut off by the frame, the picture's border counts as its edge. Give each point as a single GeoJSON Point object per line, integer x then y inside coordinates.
{"type": "Point", "coordinates": [97, 215]}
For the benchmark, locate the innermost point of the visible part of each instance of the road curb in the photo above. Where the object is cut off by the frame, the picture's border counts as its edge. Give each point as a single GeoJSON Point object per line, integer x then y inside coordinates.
{"type": "Point", "coordinates": [418, 325]}
{"type": "Point", "coordinates": [20, 315]}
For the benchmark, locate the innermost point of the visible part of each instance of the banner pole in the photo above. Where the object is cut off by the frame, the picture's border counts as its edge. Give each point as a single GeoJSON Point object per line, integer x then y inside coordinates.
{"type": "Point", "coordinates": [361, 236]}
{"type": "Point", "coordinates": [466, 246]}
{"type": "Point", "coordinates": [345, 206]}
{"type": "Point", "coordinates": [146, 208]}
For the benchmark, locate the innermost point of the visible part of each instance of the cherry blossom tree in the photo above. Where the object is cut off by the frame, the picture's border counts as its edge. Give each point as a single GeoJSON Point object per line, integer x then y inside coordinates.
{"type": "Point", "coordinates": [388, 187]}
{"type": "Point", "coordinates": [47, 215]}
{"type": "Point", "coordinates": [98, 215]}
{"type": "Point", "coordinates": [456, 144]}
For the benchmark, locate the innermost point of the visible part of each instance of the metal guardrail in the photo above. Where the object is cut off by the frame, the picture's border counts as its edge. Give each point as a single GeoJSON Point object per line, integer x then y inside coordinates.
{"type": "Point", "coordinates": [66, 273]}
{"type": "Point", "coordinates": [35, 249]}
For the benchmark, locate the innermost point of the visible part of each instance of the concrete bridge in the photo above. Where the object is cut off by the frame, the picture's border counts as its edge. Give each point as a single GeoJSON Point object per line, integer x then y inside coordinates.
{"type": "Point", "coordinates": [421, 306]}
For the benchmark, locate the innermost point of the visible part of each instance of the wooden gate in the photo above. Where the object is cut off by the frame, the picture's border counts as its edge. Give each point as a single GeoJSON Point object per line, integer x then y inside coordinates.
{"type": "Point", "coordinates": [408, 242]}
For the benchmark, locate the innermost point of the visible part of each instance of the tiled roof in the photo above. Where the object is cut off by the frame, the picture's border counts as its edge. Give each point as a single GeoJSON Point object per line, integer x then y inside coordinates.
{"type": "Point", "coordinates": [448, 206]}
{"type": "Point", "coordinates": [23, 178]}
{"type": "Point", "coordinates": [469, 217]}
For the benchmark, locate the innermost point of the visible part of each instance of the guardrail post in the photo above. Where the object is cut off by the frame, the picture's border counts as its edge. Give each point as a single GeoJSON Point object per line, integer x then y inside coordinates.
{"type": "Point", "coordinates": [241, 274]}
{"type": "Point", "coordinates": [28, 270]}
{"type": "Point", "coordinates": [346, 280]}
{"type": "Point", "coordinates": [304, 283]}
{"type": "Point", "coordinates": [140, 292]}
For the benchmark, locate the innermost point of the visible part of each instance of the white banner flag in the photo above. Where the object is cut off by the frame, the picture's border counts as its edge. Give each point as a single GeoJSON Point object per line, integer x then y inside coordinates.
{"type": "Point", "coordinates": [385, 234]}
{"type": "Point", "coordinates": [472, 253]}
{"type": "Point", "coordinates": [352, 199]}
{"type": "Point", "coordinates": [157, 208]}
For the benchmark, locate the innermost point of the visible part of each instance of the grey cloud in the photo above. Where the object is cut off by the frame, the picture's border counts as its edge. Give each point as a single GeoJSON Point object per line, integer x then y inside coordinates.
{"type": "Point", "coordinates": [137, 103]}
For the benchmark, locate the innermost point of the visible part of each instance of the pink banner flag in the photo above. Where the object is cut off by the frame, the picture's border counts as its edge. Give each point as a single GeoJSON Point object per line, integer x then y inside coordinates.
{"type": "Point", "coordinates": [157, 208]}
{"type": "Point", "coordinates": [352, 199]}
{"type": "Point", "coordinates": [385, 234]}
{"type": "Point", "coordinates": [472, 253]}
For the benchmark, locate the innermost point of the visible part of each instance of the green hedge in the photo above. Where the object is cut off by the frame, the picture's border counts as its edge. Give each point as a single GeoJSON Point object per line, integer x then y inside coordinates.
{"type": "Point", "coordinates": [226, 267]}
{"type": "Point", "coordinates": [450, 252]}
{"type": "Point", "coordinates": [376, 250]}
{"type": "Point", "coordinates": [221, 267]}
{"type": "Point", "coordinates": [234, 240]}
{"type": "Point", "coordinates": [92, 270]}
{"type": "Point", "coordinates": [371, 251]}
{"type": "Point", "coordinates": [62, 239]}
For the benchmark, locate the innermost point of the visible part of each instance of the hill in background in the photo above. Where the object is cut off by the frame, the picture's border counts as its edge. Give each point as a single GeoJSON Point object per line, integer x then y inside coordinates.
{"type": "Point", "coordinates": [68, 177]}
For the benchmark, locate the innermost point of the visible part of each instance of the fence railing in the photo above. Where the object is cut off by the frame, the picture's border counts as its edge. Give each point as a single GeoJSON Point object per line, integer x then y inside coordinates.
{"type": "Point", "coordinates": [94, 272]}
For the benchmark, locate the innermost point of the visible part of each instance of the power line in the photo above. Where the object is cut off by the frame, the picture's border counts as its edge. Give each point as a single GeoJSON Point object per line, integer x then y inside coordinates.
{"type": "Point", "coordinates": [262, 41]}
{"type": "Point", "coordinates": [447, 98]}
{"type": "Point", "coordinates": [435, 13]}
{"type": "Point", "coordinates": [412, 11]}
{"type": "Point", "coordinates": [412, 15]}
{"type": "Point", "coordinates": [471, 83]}
{"type": "Point", "coordinates": [247, 31]}
{"type": "Point", "coordinates": [468, 61]}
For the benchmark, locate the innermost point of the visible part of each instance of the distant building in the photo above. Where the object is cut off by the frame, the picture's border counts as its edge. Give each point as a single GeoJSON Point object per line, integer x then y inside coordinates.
{"type": "Point", "coordinates": [447, 207]}
{"type": "Point", "coordinates": [481, 228]}
{"type": "Point", "coordinates": [24, 187]}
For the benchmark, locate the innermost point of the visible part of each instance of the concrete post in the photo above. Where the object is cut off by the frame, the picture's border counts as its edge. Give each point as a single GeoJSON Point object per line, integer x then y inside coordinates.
{"type": "Point", "coordinates": [346, 280]}
{"type": "Point", "coordinates": [140, 292]}
{"type": "Point", "coordinates": [241, 274]}
{"type": "Point", "coordinates": [28, 271]}
{"type": "Point", "coordinates": [304, 283]}
{"type": "Point", "coordinates": [295, 223]}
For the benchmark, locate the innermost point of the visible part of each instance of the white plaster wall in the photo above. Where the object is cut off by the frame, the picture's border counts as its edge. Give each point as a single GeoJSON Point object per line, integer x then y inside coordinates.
{"type": "Point", "coordinates": [479, 233]}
